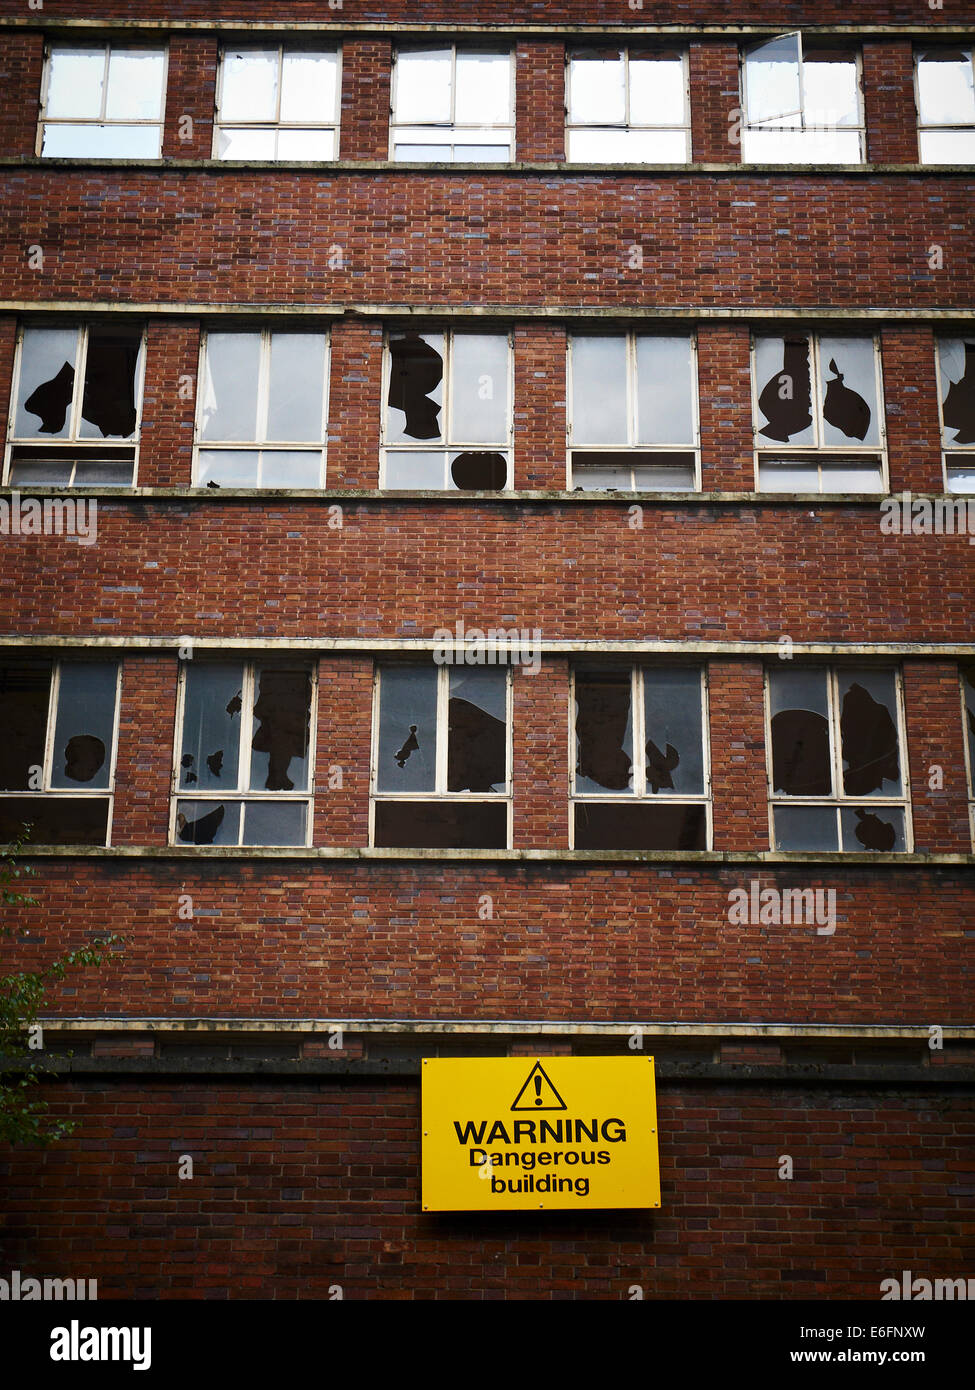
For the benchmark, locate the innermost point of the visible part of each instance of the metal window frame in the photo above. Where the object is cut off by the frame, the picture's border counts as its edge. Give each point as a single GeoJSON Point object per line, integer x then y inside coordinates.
{"type": "Point", "coordinates": [440, 792]}
{"type": "Point", "coordinates": [446, 446]}
{"type": "Point", "coordinates": [276, 124]}
{"type": "Point", "coordinates": [72, 440]}
{"type": "Point", "coordinates": [941, 126]}
{"type": "Point", "coordinates": [818, 453]}
{"type": "Point", "coordinates": [839, 800]}
{"type": "Point", "coordinates": [243, 796]}
{"type": "Point", "coordinates": [260, 446]}
{"type": "Point", "coordinates": [626, 124]}
{"type": "Point", "coordinates": [100, 120]}
{"type": "Point", "coordinates": [639, 451]}
{"type": "Point", "coordinates": [940, 385]}
{"type": "Point", "coordinates": [802, 128]}
{"type": "Point", "coordinates": [450, 128]}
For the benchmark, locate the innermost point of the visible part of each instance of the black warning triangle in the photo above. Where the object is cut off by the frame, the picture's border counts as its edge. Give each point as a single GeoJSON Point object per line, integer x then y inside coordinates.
{"type": "Point", "coordinates": [538, 1093]}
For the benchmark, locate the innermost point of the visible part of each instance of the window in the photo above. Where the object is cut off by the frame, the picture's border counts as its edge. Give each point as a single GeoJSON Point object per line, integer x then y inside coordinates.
{"type": "Point", "coordinates": [102, 102]}
{"type": "Point", "coordinates": [956, 375]}
{"type": "Point", "coordinates": [641, 777]}
{"type": "Point", "coordinates": [968, 699]}
{"type": "Point", "coordinates": [261, 410]}
{"type": "Point", "coordinates": [801, 105]}
{"type": "Point", "coordinates": [627, 106]}
{"type": "Point", "coordinates": [243, 774]}
{"type": "Point", "coordinates": [835, 759]}
{"type": "Point", "coordinates": [57, 755]}
{"type": "Point", "coordinates": [75, 387]}
{"type": "Point", "coordinates": [946, 106]}
{"type": "Point", "coordinates": [441, 757]}
{"type": "Point", "coordinates": [453, 105]}
{"type": "Point", "coordinates": [633, 413]}
{"type": "Point", "coordinates": [819, 426]}
{"type": "Point", "coordinates": [448, 411]}
{"type": "Point", "coordinates": [277, 103]}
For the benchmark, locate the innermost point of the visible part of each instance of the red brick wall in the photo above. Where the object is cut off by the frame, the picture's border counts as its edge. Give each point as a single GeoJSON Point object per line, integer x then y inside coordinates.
{"type": "Point", "coordinates": [299, 1187]}
{"type": "Point", "coordinates": [190, 91]}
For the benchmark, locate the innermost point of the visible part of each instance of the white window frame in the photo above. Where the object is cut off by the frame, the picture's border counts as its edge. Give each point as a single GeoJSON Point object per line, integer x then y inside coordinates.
{"type": "Point", "coordinates": [969, 747]}
{"type": "Point", "coordinates": [452, 131]}
{"type": "Point", "coordinates": [639, 794]}
{"type": "Point", "coordinates": [100, 120]}
{"type": "Point", "coordinates": [277, 125]}
{"type": "Point", "coordinates": [842, 801]}
{"type": "Point", "coordinates": [802, 127]}
{"type": "Point", "coordinates": [943, 127]}
{"type": "Point", "coordinates": [73, 442]}
{"type": "Point", "coordinates": [257, 446]}
{"type": "Point", "coordinates": [818, 453]}
{"type": "Point", "coordinates": [445, 446]}
{"type": "Point", "coordinates": [46, 790]}
{"type": "Point", "coordinates": [626, 124]}
{"type": "Point", "coordinates": [243, 797]}
{"type": "Point", "coordinates": [440, 792]}
{"type": "Point", "coordinates": [966, 450]}
{"type": "Point", "coordinates": [643, 454]}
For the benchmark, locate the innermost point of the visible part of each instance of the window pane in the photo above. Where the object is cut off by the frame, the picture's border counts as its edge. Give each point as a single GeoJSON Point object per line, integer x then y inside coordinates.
{"type": "Point", "coordinates": [830, 91]}
{"type": "Point", "coordinates": [849, 391]}
{"type": "Point", "coordinates": [961, 473]}
{"type": "Point", "coordinates": [75, 80]}
{"type": "Point", "coordinates": [968, 687]}
{"type": "Point", "coordinates": [309, 87]}
{"type": "Point", "coordinates": [801, 763]}
{"type": "Point", "coordinates": [675, 754]}
{"type": "Point", "coordinates": [873, 828]}
{"type": "Point", "coordinates": [599, 414]}
{"type": "Point", "coordinates": [597, 88]}
{"type": "Point", "coordinates": [85, 724]}
{"type": "Point", "coordinates": [208, 822]}
{"type": "Point", "coordinates": [57, 474]}
{"type": "Point", "coordinates": [439, 154]}
{"type": "Point", "coordinates": [249, 91]}
{"type": "Point", "coordinates": [805, 828]}
{"type": "Point", "coordinates": [306, 144]}
{"type": "Point", "coordinates": [279, 745]}
{"type": "Point", "coordinates": [599, 477]}
{"type": "Point", "coordinates": [415, 471]}
{"type": "Point", "coordinates": [801, 147]}
{"type": "Point", "coordinates": [25, 688]}
{"type": "Point", "coordinates": [946, 88]}
{"type": "Point", "coordinates": [656, 91]}
{"type": "Point", "coordinates": [479, 395]}
{"type": "Point", "coordinates": [296, 386]}
{"type": "Point", "coordinates": [477, 731]}
{"type": "Point", "coordinates": [422, 85]}
{"type": "Point", "coordinates": [784, 390]}
{"type": "Point", "coordinates": [245, 144]}
{"type": "Point", "coordinates": [774, 476]}
{"type": "Point", "coordinates": [483, 89]}
{"type": "Point", "coordinates": [228, 467]}
{"type": "Point", "coordinates": [664, 374]}
{"type": "Point", "coordinates": [415, 395]}
{"type": "Point", "coordinates": [853, 476]}
{"type": "Point", "coordinates": [55, 820]}
{"type": "Point", "coordinates": [230, 381]}
{"type": "Point", "coordinates": [957, 365]}
{"type": "Point", "coordinates": [291, 468]}
{"type": "Point", "coordinates": [102, 141]}
{"type": "Point", "coordinates": [108, 407]}
{"type": "Point", "coordinates": [407, 758]}
{"type": "Point", "coordinates": [947, 146]}
{"type": "Point", "coordinates": [660, 476]}
{"type": "Point", "coordinates": [604, 732]}
{"type": "Point", "coordinates": [772, 79]}
{"type": "Point", "coordinates": [135, 85]}
{"type": "Point", "coordinates": [44, 393]}
{"type": "Point", "coordinates": [274, 823]}
{"type": "Point", "coordinates": [640, 825]}
{"type": "Point", "coordinates": [441, 824]}
{"type": "Point", "coordinates": [210, 750]}
{"type": "Point", "coordinates": [627, 146]}
{"type": "Point", "coordinates": [868, 733]}
{"type": "Point", "coordinates": [479, 154]}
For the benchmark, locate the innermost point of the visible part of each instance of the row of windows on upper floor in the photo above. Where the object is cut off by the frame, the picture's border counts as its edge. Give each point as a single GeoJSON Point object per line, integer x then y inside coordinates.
{"type": "Point", "coordinates": [638, 755]}
{"type": "Point", "coordinates": [801, 103]}
{"type": "Point", "coordinates": [447, 421]}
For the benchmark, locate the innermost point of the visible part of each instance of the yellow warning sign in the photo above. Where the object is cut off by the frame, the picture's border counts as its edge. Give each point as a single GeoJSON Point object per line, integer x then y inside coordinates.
{"type": "Point", "coordinates": [504, 1133]}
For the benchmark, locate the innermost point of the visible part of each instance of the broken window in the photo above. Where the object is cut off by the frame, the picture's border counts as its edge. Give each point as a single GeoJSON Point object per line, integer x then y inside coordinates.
{"type": "Point", "coordinates": [441, 776]}
{"type": "Point", "coordinates": [102, 101]}
{"type": "Point", "coordinates": [968, 698]}
{"type": "Point", "coordinates": [835, 759]}
{"type": "Point", "coordinates": [819, 421]}
{"type": "Point", "coordinates": [640, 779]}
{"type": "Point", "coordinates": [261, 410]}
{"type": "Point", "coordinates": [58, 749]}
{"type": "Point", "coordinates": [277, 103]}
{"type": "Point", "coordinates": [76, 400]}
{"type": "Point", "coordinates": [956, 374]}
{"type": "Point", "coordinates": [633, 413]}
{"type": "Point", "coordinates": [627, 106]}
{"type": "Point", "coordinates": [243, 774]}
{"type": "Point", "coordinates": [447, 422]}
{"type": "Point", "coordinates": [453, 105]}
{"type": "Point", "coordinates": [801, 104]}
{"type": "Point", "coordinates": [946, 105]}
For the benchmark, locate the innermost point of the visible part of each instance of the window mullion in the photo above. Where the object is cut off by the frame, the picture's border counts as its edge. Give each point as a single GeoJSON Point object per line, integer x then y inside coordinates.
{"type": "Point", "coordinates": [78, 394]}
{"type": "Point", "coordinates": [833, 694]}
{"type": "Point", "coordinates": [280, 96]}
{"type": "Point", "coordinates": [440, 777]}
{"type": "Point", "coordinates": [54, 692]}
{"type": "Point", "coordinates": [639, 733]}
{"type": "Point", "coordinates": [246, 728]}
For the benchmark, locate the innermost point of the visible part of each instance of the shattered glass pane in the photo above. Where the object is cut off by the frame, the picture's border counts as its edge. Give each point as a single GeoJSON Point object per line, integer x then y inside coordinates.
{"type": "Point", "coordinates": [274, 823]}
{"type": "Point", "coordinates": [868, 733]}
{"type": "Point", "coordinates": [599, 414]}
{"type": "Point", "coordinates": [479, 406]}
{"type": "Point", "coordinates": [25, 688]}
{"type": "Point", "coordinates": [801, 763]}
{"type": "Point", "coordinates": [483, 88]}
{"type": "Point", "coordinates": [249, 84]}
{"type": "Point", "coordinates": [296, 387]}
{"type": "Point", "coordinates": [771, 72]}
{"type": "Point", "coordinates": [415, 470]}
{"type": "Point", "coordinates": [85, 724]}
{"type": "Point", "coordinates": [441, 825]}
{"type": "Point", "coordinates": [211, 726]}
{"type": "Point", "coordinates": [231, 368]}
{"type": "Point", "coordinates": [46, 387]}
{"type": "Point", "coordinates": [665, 390]}
{"type": "Point", "coordinates": [805, 828]}
{"type": "Point", "coordinates": [604, 732]}
{"type": "Point", "coordinates": [873, 828]}
{"type": "Point", "coordinates": [75, 79]}
{"type": "Point", "coordinates": [477, 731]}
{"type": "Point", "coordinates": [108, 406]}
{"type": "Point", "coordinates": [946, 87]}
{"type": "Point", "coordinates": [135, 85]}
{"type": "Point", "coordinates": [407, 760]}
{"type": "Point", "coordinates": [849, 386]}
{"type": "Point", "coordinates": [309, 87]}
{"type": "Point", "coordinates": [640, 825]}
{"type": "Point", "coordinates": [782, 368]}
{"type": "Point", "coordinates": [478, 471]}
{"type": "Point", "coordinates": [279, 746]}
{"type": "Point", "coordinates": [422, 85]}
{"type": "Point", "coordinates": [957, 362]}
{"type": "Point", "coordinates": [675, 752]}
{"type": "Point", "coordinates": [415, 397]}
{"type": "Point", "coordinates": [208, 822]}
{"type": "Point", "coordinates": [55, 820]}
{"type": "Point", "coordinates": [597, 92]}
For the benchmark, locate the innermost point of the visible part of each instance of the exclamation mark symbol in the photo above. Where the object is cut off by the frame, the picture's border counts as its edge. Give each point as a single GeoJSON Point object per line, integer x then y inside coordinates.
{"type": "Point", "coordinates": [538, 1090]}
